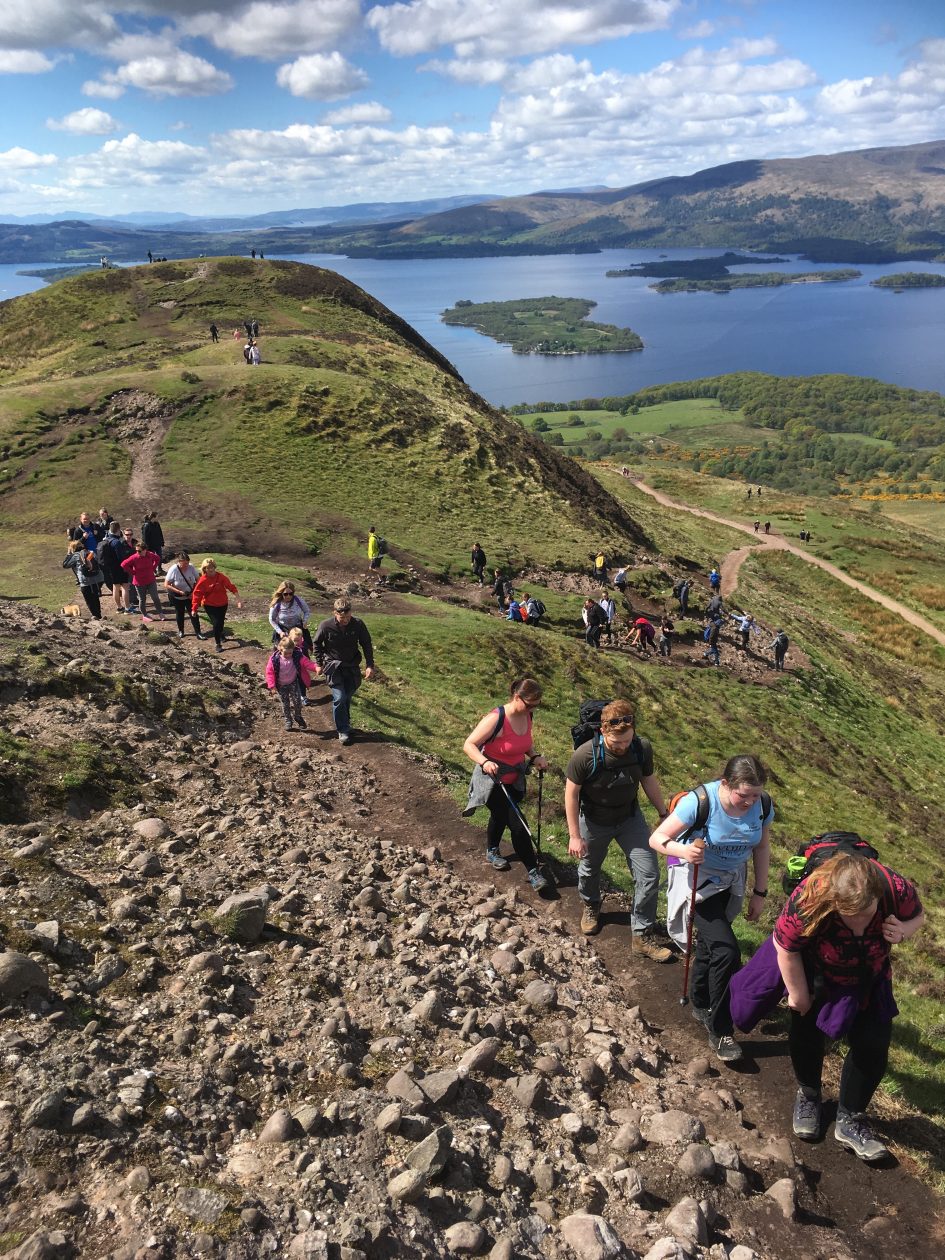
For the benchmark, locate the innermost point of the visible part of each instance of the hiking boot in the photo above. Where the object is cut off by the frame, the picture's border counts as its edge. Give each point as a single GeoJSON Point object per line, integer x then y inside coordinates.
{"type": "Point", "coordinates": [537, 879]}
{"type": "Point", "coordinates": [300, 722]}
{"type": "Point", "coordinates": [288, 724]}
{"type": "Point", "coordinates": [496, 860]}
{"type": "Point", "coordinates": [854, 1132]}
{"type": "Point", "coordinates": [344, 738]}
{"type": "Point", "coordinates": [644, 944]}
{"type": "Point", "coordinates": [590, 919]}
{"type": "Point", "coordinates": [806, 1119]}
{"type": "Point", "coordinates": [219, 647]}
{"type": "Point", "coordinates": [726, 1048]}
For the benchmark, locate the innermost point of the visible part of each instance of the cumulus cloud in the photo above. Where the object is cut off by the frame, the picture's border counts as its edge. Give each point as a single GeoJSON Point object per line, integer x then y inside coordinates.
{"type": "Point", "coordinates": [132, 159]}
{"type": "Point", "coordinates": [23, 61]}
{"type": "Point", "coordinates": [110, 91]}
{"type": "Point", "coordinates": [84, 122]}
{"type": "Point", "coordinates": [366, 112]}
{"type": "Point", "coordinates": [55, 23]}
{"type": "Point", "coordinates": [25, 159]}
{"type": "Point", "coordinates": [174, 74]}
{"type": "Point", "coordinates": [321, 77]}
{"type": "Point", "coordinates": [699, 30]}
{"type": "Point", "coordinates": [479, 70]}
{"type": "Point", "coordinates": [497, 28]}
{"type": "Point", "coordinates": [269, 29]}
{"type": "Point", "coordinates": [921, 86]}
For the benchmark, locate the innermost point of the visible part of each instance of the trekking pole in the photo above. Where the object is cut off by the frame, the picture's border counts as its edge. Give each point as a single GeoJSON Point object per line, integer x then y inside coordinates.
{"type": "Point", "coordinates": [521, 816]}
{"type": "Point", "coordinates": [541, 780]}
{"type": "Point", "coordinates": [684, 997]}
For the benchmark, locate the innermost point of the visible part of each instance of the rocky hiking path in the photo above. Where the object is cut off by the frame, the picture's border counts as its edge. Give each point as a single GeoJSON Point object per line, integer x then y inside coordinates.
{"type": "Point", "coordinates": [289, 1012]}
{"type": "Point", "coordinates": [777, 542]}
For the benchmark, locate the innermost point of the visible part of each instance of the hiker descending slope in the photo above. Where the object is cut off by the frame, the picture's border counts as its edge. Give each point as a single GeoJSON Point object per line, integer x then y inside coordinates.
{"type": "Point", "coordinates": [712, 832]}
{"type": "Point", "coordinates": [501, 746]}
{"type": "Point", "coordinates": [830, 951]}
{"type": "Point", "coordinates": [600, 800]}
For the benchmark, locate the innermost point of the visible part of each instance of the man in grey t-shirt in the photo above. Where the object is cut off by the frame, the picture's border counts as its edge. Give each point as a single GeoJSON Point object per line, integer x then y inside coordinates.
{"type": "Point", "coordinates": [603, 778]}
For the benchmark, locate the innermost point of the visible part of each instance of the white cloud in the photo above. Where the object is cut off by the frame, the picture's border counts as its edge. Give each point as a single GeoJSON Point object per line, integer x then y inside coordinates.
{"type": "Point", "coordinates": [478, 70]}
{"type": "Point", "coordinates": [132, 159]}
{"type": "Point", "coordinates": [108, 91]}
{"type": "Point", "coordinates": [700, 30]}
{"type": "Point", "coordinates": [269, 29]}
{"type": "Point", "coordinates": [321, 77]}
{"type": "Point", "coordinates": [84, 122]}
{"type": "Point", "coordinates": [24, 159]}
{"type": "Point", "coordinates": [175, 74]}
{"type": "Point", "coordinates": [921, 86]}
{"type": "Point", "coordinates": [23, 61]}
{"type": "Point", "coordinates": [55, 23]}
{"type": "Point", "coordinates": [497, 28]}
{"type": "Point", "coordinates": [366, 112]}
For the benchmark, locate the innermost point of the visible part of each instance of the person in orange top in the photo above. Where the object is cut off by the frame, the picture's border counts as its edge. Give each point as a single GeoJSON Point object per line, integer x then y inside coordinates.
{"type": "Point", "coordinates": [211, 593]}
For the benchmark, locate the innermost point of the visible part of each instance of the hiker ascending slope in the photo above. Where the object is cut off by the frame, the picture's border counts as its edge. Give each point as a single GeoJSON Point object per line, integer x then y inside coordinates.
{"type": "Point", "coordinates": [595, 619]}
{"type": "Point", "coordinates": [600, 800]}
{"type": "Point", "coordinates": [211, 593]}
{"type": "Point", "coordinates": [477, 558]}
{"type": "Point", "coordinates": [715, 580]}
{"type": "Point", "coordinates": [288, 610]}
{"type": "Point", "coordinates": [831, 952]}
{"type": "Point", "coordinates": [779, 645]}
{"type": "Point", "coordinates": [712, 832]}
{"type": "Point", "coordinates": [337, 645]}
{"type": "Point", "coordinates": [374, 553]}
{"type": "Point", "coordinates": [88, 574]}
{"type": "Point", "coordinates": [501, 746]}
{"type": "Point", "coordinates": [287, 672]}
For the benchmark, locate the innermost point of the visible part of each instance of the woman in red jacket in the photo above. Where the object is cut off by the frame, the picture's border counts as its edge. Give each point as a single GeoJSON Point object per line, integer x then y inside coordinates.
{"type": "Point", "coordinates": [211, 593]}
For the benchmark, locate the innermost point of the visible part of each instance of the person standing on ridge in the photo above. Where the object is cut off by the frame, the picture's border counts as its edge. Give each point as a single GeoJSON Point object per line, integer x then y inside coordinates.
{"type": "Point", "coordinates": [336, 649]}
{"type": "Point", "coordinates": [143, 567]}
{"type": "Point", "coordinates": [715, 580]}
{"type": "Point", "coordinates": [88, 575]}
{"type": "Point", "coordinates": [600, 568]}
{"type": "Point", "coordinates": [610, 608]}
{"type": "Point", "coordinates": [153, 537]}
{"type": "Point", "coordinates": [477, 558]}
{"type": "Point", "coordinates": [498, 590]}
{"type": "Point", "coordinates": [214, 333]}
{"type": "Point", "coordinates": [685, 587]}
{"type": "Point", "coordinates": [600, 800]}
{"type": "Point", "coordinates": [667, 630]}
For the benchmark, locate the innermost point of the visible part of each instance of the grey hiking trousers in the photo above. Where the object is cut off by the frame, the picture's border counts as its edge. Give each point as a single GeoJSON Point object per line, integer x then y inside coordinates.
{"type": "Point", "coordinates": [633, 836]}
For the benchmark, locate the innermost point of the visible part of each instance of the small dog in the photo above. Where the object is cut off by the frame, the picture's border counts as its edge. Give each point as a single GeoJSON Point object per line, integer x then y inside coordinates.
{"type": "Point", "coordinates": [70, 610]}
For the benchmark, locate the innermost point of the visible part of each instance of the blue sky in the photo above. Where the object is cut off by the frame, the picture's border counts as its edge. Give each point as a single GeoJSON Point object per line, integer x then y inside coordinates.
{"type": "Point", "coordinates": [242, 106]}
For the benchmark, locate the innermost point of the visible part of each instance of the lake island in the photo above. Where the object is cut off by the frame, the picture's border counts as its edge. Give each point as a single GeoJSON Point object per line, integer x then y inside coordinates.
{"type": "Point", "coordinates": [543, 325]}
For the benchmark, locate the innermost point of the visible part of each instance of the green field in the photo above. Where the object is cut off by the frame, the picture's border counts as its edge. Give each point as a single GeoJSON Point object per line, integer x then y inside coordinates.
{"type": "Point", "coordinates": [547, 325]}
{"type": "Point", "coordinates": [663, 419]}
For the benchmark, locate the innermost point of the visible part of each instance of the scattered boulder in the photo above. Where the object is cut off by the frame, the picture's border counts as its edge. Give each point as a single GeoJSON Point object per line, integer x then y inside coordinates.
{"type": "Point", "coordinates": [591, 1238]}
{"type": "Point", "coordinates": [20, 974]}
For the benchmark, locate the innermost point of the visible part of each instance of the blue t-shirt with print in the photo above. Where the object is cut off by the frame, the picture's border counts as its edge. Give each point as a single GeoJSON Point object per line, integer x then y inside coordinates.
{"type": "Point", "coordinates": [729, 841]}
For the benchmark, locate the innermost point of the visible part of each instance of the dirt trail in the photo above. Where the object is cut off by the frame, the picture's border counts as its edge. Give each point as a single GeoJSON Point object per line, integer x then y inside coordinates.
{"type": "Point", "coordinates": [777, 542]}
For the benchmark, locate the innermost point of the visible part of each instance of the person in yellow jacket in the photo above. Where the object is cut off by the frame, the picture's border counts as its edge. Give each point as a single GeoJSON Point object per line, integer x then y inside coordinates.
{"type": "Point", "coordinates": [373, 548]}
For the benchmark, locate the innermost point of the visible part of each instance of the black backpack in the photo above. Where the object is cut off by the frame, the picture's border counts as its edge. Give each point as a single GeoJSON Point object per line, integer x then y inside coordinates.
{"type": "Point", "coordinates": [815, 852]}
{"type": "Point", "coordinates": [588, 728]}
{"type": "Point", "coordinates": [382, 546]}
{"type": "Point", "coordinates": [782, 641]}
{"type": "Point", "coordinates": [539, 607]}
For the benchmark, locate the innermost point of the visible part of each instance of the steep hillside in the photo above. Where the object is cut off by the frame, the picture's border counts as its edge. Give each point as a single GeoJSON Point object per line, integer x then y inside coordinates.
{"type": "Point", "coordinates": [351, 419]}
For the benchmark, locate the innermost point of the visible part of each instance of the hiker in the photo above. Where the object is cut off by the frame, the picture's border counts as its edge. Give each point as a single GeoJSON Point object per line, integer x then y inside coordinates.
{"type": "Point", "coordinates": [143, 567]}
{"type": "Point", "coordinates": [711, 638]}
{"type": "Point", "coordinates": [83, 561]}
{"type": "Point", "coordinates": [287, 671]}
{"type": "Point", "coordinates": [758, 492]}
{"type": "Point", "coordinates": [767, 527]}
{"type": "Point", "coordinates": [515, 611]}
{"type": "Point", "coordinates": [667, 630]}
{"type": "Point", "coordinates": [477, 558]}
{"type": "Point", "coordinates": [610, 608]}
{"type": "Point", "coordinates": [600, 800]}
{"type": "Point", "coordinates": [594, 621]}
{"type": "Point", "coordinates": [335, 648]}
{"type": "Point", "coordinates": [745, 624]}
{"type": "Point", "coordinates": [179, 583]}
{"type": "Point", "coordinates": [749, 492]}
{"type": "Point", "coordinates": [500, 746]}
{"type": "Point", "coordinates": [620, 580]}
{"type": "Point", "coordinates": [211, 593]}
{"type": "Point", "coordinates": [373, 549]}
{"type": "Point", "coordinates": [714, 609]}
{"type": "Point", "coordinates": [685, 587]}
{"type": "Point", "coordinates": [248, 325]}
{"type": "Point", "coordinates": [643, 635]}
{"type": "Point", "coordinates": [757, 526]}
{"type": "Point", "coordinates": [831, 953]}
{"type": "Point", "coordinates": [715, 580]}
{"type": "Point", "coordinates": [713, 848]}
{"type": "Point", "coordinates": [112, 550]}
{"type": "Point", "coordinates": [247, 353]}
{"type": "Point", "coordinates": [288, 610]}
{"type": "Point", "coordinates": [104, 521]}
{"type": "Point", "coordinates": [534, 610]}
{"type": "Point", "coordinates": [297, 635]}
{"type": "Point", "coordinates": [153, 537]}
{"type": "Point", "coordinates": [498, 590]}
{"type": "Point", "coordinates": [254, 355]}
{"type": "Point", "coordinates": [600, 568]}
{"type": "Point", "coordinates": [87, 531]}
{"type": "Point", "coordinates": [214, 333]}
{"type": "Point", "coordinates": [255, 328]}
{"type": "Point", "coordinates": [779, 645]}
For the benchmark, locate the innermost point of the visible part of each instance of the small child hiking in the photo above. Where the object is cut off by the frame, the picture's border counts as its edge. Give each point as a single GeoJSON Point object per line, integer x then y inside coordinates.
{"type": "Point", "coordinates": [287, 671]}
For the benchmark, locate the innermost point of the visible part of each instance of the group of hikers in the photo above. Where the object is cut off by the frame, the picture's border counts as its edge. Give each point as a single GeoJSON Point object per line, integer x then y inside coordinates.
{"type": "Point", "coordinates": [830, 951]}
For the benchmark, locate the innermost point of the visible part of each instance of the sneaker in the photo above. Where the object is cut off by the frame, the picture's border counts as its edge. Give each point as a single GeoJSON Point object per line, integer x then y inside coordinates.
{"type": "Point", "coordinates": [219, 647]}
{"type": "Point", "coordinates": [645, 945]}
{"type": "Point", "coordinates": [180, 635]}
{"type": "Point", "coordinates": [806, 1119]}
{"type": "Point", "coordinates": [701, 1013]}
{"type": "Point", "coordinates": [304, 703]}
{"type": "Point", "coordinates": [300, 722]}
{"type": "Point", "coordinates": [590, 919]}
{"type": "Point", "coordinates": [537, 879]}
{"type": "Point", "coordinates": [496, 860]}
{"type": "Point", "coordinates": [344, 738]}
{"type": "Point", "coordinates": [200, 636]}
{"type": "Point", "coordinates": [726, 1048]}
{"type": "Point", "coordinates": [854, 1132]}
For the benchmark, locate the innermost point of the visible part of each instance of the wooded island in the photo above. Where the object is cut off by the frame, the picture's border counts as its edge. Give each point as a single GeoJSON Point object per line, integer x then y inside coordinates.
{"type": "Point", "coordinates": [544, 325]}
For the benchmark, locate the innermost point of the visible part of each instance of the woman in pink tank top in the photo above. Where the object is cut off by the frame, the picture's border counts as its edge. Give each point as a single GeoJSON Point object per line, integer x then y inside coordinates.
{"type": "Point", "coordinates": [501, 744]}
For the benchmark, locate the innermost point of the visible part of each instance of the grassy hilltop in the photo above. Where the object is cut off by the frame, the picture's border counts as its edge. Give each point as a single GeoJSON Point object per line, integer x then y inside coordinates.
{"type": "Point", "coordinates": [112, 392]}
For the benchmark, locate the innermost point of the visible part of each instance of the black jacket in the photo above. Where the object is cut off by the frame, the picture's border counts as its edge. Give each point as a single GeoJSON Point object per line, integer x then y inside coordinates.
{"type": "Point", "coordinates": [153, 536]}
{"type": "Point", "coordinates": [335, 644]}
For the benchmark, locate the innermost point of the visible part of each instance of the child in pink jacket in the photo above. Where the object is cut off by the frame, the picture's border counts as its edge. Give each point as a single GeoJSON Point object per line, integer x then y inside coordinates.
{"type": "Point", "coordinates": [287, 671]}
{"type": "Point", "coordinates": [143, 567]}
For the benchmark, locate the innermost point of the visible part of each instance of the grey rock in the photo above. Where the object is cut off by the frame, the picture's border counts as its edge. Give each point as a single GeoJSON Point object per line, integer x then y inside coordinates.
{"type": "Point", "coordinates": [45, 1111]}
{"type": "Point", "coordinates": [403, 1086]}
{"type": "Point", "coordinates": [697, 1161]}
{"type": "Point", "coordinates": [206, 963]}
{"type": "Point", "coordinates": [741, 1252]}
{"type": "Point", "coordinates": [504, 963]}
{"type": "Point", "coordinates": [369, 899]}
{"type": "Point", "coordinates": [147, 865]}
{"type": "Point", "coordinates": [122, 909]}
{"type": "Point", "coordinates": [47, 936]}
{"type": "Point", "coordinates": [110, 969]}
{"type": "Point", "coordinates": [481, 1056]}
{"type": "Point", "coordinates": [465, 1238]}
{"type": "Point", "coordinates": [543, 1176]}
{"type": "Point", "coordinates": [388, 1120]}
{"type": "Point", "coordinates": [668, 1249]}
{"type": "Point", "coordinates": [307, 1117]}
{"type": "Point", "coordinates": [20, 974]}
{"type": "Point", "coordinates": [44, 1245]}
{"type": "Point", "coordinates": [671, 1128]}
{"type": "Point", "coordinates": [200, 1204]}
{"type": "Point", "coordinates": [591, 1075]}
{"type": "Point", "coordinates": [242, 917]}
{"type": "Point", "coordinates": [429, 1010]}
{"type": "Point", "coordinates": [442, 1087]}
{"type": "Point", "coordinates": [784, 1194]}
{"type": "Point", "coordinates": [139, 1179]}
{"type": "Point", "coordinates": [83, 1118]}
{"type": "Point", "coordinates": [430, 1156]}
{"type": "Point", "coordinates": [627, 1138]}
{"type": "Point", "coordinates": [687, 1223]}
{"type": "Point", "coordinates": [407, 1186]}
{"type": "Point", "coordinates": [503, 1250]}
{"type": "Point", "coordinates": [591, 1238]}
{"type": "Point", "coordinates": [528, 1091]}
{"type": "Point", "coordinates": [152, 828]}
{"type": "Point", "coordinates": [629, 1183]}
{"type": "Point", "coordinates": [310, 1245]}
{"type": "Point", "coordinates": [502, 1171]}
{"type": "Point", "coordinates": [540, 995]}
{"type": "Point", "coordinates": [135, 1090]}
{"type": "Point", "coordinates": [280, 1127]}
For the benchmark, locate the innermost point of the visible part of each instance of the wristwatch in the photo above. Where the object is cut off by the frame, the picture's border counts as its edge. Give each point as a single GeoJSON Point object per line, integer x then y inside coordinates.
{"type": "Point", "coordinates": [756, 892]}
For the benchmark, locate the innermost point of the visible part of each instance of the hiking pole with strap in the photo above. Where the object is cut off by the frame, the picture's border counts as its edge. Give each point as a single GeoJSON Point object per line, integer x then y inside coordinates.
{"type": "Point", "coordinates": [541, 781]}
{"type": "Point", "coordinates": [684, 997]}
{"type": "Point", "coordinates": [521, 816]}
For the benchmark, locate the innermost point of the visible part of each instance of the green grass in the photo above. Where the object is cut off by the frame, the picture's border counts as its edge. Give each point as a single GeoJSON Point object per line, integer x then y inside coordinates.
{"type": "Point", "coordinates": [661, 419]}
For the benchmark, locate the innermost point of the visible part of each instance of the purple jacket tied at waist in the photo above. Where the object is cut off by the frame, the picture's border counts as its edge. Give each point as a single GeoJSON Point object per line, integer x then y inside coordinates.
{"type": "Point", "coordinates": [757, 989]}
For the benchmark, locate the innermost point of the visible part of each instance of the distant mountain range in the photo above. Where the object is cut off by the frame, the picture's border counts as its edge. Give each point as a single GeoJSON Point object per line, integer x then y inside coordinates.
{"type": "Point", "coordinates": [871, 205]}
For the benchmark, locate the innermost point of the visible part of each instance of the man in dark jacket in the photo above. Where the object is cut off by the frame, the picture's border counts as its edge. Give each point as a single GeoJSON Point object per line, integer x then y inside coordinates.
{"type": "Point", "coordinates": [595, 619]}
{"type": "Point", "coordinates": [153, 536]}
{"type": "Point", "coordinates": [335, 647]}
{"type": "Point", "coordinates": [477, 558]}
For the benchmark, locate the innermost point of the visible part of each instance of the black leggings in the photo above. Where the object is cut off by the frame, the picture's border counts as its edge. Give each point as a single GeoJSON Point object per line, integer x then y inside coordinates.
{"type": "Point", "coordinates": [181, 609]}
{"type": "Point", "coordinates": [863, 1068]}
{"type": "Point", "coordinates": [715, 960]}
{"type": "Point", "coordinates": [93, 599]}
{"type": "Point", "coordinates": [217, 615]}
{"type": "Point", "coordinates": [501, 815]}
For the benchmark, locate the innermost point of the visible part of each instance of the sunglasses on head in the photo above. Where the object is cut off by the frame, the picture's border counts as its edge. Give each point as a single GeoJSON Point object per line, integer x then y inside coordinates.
{"type": "Point", "coordinates": [619, 723]}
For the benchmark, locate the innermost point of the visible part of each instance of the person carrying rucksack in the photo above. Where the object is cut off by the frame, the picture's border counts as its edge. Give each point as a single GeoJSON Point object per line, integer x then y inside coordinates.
{"type": "Point", "coordinates": [715, 580]}
{"type": "Point", "coordinates": [685, 586]}
{"type": "Point", "coordinates": [534, 609]}
{"type": "Point", "coordinates": [713, 831]}
{"type": "Point", "coordinates": [88, 574]}
{"type": "Point", "coordinates": [667, 633]}
{"type": "Point", "coordinates": [501, 746]}
{"type": "Point", "coordinates": [779, 644]}
{"type": "Point", "coordinates": [600, 568]}
{"type": "Point", "coordinates": [498, 590]}
{"type": "Point", "coordinates": [832, 947]}
{"type": "Point", "coordinates": [287, 671]}
{"type": "Point", "coordinates": [477, 558]}
{"type": "Point", "coordinates": [602, 782]}
{"type": "Point", "coordinates": [595, 619]}
{"type": "Point", "coordinates": [373, 549]}
{"type": "Point", "coordinates": [288, 610]}
{"type": "Point", "coordinates": [711, 638]}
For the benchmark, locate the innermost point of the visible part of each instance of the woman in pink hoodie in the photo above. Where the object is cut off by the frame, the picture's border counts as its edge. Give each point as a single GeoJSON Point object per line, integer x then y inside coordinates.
{"type": "Point", "coordinates": [143, 567]}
